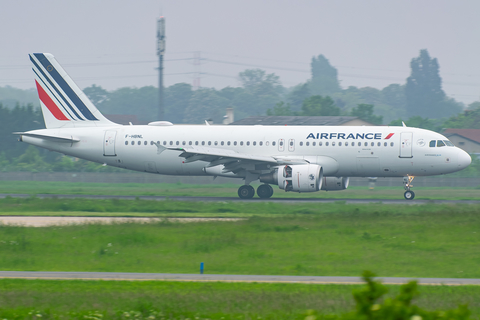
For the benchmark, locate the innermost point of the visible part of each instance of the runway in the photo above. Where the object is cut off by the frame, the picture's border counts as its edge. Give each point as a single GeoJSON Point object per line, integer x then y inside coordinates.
{"type": "Point", "coordinates": [236, 199]}
{"type": "Point", "coordinates": [123, 276]}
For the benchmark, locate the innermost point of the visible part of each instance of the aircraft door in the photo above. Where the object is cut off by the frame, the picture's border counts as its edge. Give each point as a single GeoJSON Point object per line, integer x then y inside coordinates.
{"type": "Point", "coordinates": [109, 143]}
{"type": "Point", "coordinates": [291, 145]}
{"type": "Point", "coordinates": [406, 144]}
{"type": "Point", "coordinates": [281, 145]}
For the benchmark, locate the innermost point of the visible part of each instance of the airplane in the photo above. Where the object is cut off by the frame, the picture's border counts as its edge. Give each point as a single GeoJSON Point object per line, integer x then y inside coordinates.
{"type": "Point", "coordinates": [294, 158]}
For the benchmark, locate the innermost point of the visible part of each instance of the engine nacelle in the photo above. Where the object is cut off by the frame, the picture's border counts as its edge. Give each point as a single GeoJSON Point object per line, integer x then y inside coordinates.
{"type": "Point", "coordinates": [334, 183]}
{"type": "Point", "coordinates": [299, 178]}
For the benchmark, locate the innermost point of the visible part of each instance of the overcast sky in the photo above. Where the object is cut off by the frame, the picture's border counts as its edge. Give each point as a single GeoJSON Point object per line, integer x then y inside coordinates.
{"type": "Point", "coordinates": [112, 43]}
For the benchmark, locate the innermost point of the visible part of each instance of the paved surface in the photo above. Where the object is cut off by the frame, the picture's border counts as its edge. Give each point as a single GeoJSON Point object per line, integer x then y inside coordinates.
{"type": "Point", "coordinates": [400, 200]}
{"type": "Point", "coordinates": [44, 221]}
{"type": "Point", "coordinates": [222, 278]}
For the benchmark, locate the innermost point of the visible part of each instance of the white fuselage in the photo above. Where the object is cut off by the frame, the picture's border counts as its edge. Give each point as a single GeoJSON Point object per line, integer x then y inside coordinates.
{"type": "Point", "coordinates": [341, 151]}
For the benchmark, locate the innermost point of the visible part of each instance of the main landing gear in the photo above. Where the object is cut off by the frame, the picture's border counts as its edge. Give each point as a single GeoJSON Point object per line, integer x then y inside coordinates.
{"type": "Point", "coordinates": [264, 191]}
{"type": "Point", "coordinates": [409, 195]}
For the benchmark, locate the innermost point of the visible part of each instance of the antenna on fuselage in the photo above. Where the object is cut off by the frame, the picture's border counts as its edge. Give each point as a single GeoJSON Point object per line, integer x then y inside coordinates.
{"type": "Point", "coordinates": [403, 124]}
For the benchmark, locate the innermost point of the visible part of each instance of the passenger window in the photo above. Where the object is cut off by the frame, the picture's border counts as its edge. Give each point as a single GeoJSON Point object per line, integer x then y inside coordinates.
{"type": "Point", "coordinates": [366, 144]}
{"type": "Point", "coordinates": [333, 144]}
{"type": "Point", "coordinates": [139, 142]}
{"type": "Point", "coordinates": [235, 143]}
{"type": "Point", "coordinates": [209, 143]}
{"type": "Point", "coordinates": [196, 143]}
{"type": "Point", "coordinates": [171, 143]}
{"type": "Point", "coordinates": [320, 143]}
{"type": "Point", "coordinates": [326, 144]}
{"type": "Point", "coordinates": [391, 144]}
{"type": "Point", "coordinates": [261, 143]}
{"type": "Point", "coordinates": [241, 143]}
{"type": "Point", "coordinates": [307, 143]}
{"type": "Point", "coordinates": [339, 144]}
{"type": "Point", "coordinates": [184, 143]}
{"type": "Point", "coordinates": [145, 142]}
{"type": "Point", "coordinates": [281, 143]}
{"type": "Point", "coordinates": [372, 144]}
{"type": "Point", "coordinates": [158, 142]}
{"type": "Point", "coordinates": [189, 143]}
{"type": "Point", "coordinates": [254, 143]}
{"type": "Point", "coordinates": [177, 143]}
{"type": "Point", "coordinates": [359, 144]}
{"type": "Point", "coordinates": [216, 143]}
{"type": "Point", "coordinates": [126, 143]}
{"type": "Point", "coordinates": [301, 143]}
{"type": "Point", "coordinates": [291, 143]}
{"type": "Point", "coordinates": [273, 143]}
{"type": "Point", "coordinates": [440, 143]}
{"type": "Point", "coordinates": [228, 143]}
{"type": "Point", "coordinates": [248, 143]}
{"type": "Point", "coordinates": [379, 144]}
{"type": "Point", "coordinates": [346, 144]}
{"type": "Point", "coordinates": [432, 143]}
{"type": "Point", "coordinates": [222, 143]}
{"type": "Point", "coordinates": [385, 144]}
{"type": "Point", "coordinates": [314, 143]}
{"type": "Point", "coordinates": [203, 143]}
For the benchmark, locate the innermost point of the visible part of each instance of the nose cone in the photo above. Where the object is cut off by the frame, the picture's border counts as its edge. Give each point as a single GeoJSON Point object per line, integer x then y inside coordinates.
{"type": "Point", "coordinates": [464, 159]}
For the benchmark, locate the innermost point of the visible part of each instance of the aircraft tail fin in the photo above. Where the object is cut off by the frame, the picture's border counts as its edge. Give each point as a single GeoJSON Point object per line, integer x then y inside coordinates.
{"type": "Point", "coordinates": [63, 103]}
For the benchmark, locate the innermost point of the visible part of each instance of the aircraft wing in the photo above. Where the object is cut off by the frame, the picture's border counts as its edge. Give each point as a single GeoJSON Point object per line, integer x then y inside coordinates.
{"type": "Point", "coordinates": [233, 161]}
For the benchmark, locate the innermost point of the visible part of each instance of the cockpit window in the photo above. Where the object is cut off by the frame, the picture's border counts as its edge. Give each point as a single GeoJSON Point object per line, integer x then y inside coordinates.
{"type": "Point", "coordinates": [448, 143]}
{"type": "Point", "coordinates": [440, 143]}
{"type": "Point", "coordinates": [432, 143]}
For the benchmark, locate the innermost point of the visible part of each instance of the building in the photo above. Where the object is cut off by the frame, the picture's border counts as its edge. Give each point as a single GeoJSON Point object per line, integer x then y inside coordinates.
{"type": "Point", "coordinates": [302, 121]}
{"type": "Point", "coordinates": [466, 139]}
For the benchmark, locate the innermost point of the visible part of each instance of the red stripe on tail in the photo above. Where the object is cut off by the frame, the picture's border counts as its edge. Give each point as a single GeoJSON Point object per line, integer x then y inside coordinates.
{"type": "Point", "coordinates": [48, 102]}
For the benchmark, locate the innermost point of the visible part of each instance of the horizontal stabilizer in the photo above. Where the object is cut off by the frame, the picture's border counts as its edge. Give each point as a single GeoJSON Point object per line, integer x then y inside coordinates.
{"type": "Point", "coordinates": [54, 138]}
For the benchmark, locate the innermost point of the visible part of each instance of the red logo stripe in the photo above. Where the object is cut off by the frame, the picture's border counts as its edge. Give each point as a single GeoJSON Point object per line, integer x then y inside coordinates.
{"type": "Point", "coordinates": [389, 136]}
{"type": "Point", "coordinates": [48, 102]}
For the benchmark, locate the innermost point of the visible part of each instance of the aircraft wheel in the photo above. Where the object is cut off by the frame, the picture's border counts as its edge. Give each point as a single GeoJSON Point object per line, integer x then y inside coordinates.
{"type": "Point", "coordinates": [409, 195]}
{"type": "Point", "coordinates": [246, 192]}
{"type": "Point", "coordinates": [265, 191]}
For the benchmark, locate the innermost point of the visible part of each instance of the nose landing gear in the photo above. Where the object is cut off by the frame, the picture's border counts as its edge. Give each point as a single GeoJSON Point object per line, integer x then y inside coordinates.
{"type": "Point", "coordinates": [409, 195]}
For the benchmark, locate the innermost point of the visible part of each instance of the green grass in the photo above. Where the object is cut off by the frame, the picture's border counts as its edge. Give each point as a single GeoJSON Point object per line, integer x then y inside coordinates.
{"type": "Point", "coordinates": [170, 208]}
{"type": "Point", "coordinates": [419, 241]}
{"type": "Point", "coordinates": [180, 300]}
{"type": "Point", "coordinates": [224, 190]}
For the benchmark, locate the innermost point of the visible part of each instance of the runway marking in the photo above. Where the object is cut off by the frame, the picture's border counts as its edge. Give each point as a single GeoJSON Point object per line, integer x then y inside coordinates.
{"type": "Point", "coordinates": [242, 281]}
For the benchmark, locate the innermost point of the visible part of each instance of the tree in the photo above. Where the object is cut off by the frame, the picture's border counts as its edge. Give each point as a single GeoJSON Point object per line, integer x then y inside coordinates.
{"type": "Point", "coordinates": [365, 112]}
{"type": "Point", "coordinates": [298, 94]}
{"type": "Point", "coordinates": [96, 94]}
{"type": "Point", "coordinates": [177, 98]}
{"type": "Point", "coordinates": [423, 91]}
{"type": "Point", "coordinates": [419, 122]}
{"type": "Point", "coordinates": [142, 102]}
{"type": "Point", "coordinates": [324, 77]}
{"type": "Point", "coordinates": [262, 91]}
{"type": "Point", "coordinates": [206, 104]}
{"type": "Point", "coordinates": [280, 109]}
{"type": "Point", "coordinates": [469, 119]}
{"type": "Point", "coordinates": [319, 106]}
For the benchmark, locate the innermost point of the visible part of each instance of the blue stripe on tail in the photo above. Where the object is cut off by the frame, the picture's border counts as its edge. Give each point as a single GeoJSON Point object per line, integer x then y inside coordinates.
{"type": "Point", "coordinates": [66, 88]}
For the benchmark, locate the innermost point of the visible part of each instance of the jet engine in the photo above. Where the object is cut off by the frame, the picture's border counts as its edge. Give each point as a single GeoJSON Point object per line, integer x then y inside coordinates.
{"type": "Point", "coordinates": [334, 183]}
{"type": "Point", "coordinates": [299, 178]}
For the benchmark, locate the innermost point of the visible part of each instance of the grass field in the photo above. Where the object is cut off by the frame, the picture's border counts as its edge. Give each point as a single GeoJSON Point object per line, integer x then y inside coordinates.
{"type": "Point", "coordinates": [343, 240]}
{"type": "Point", "coordinates": [181, 300]}
{"type": "Point", "coordinates": [225, 190]}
